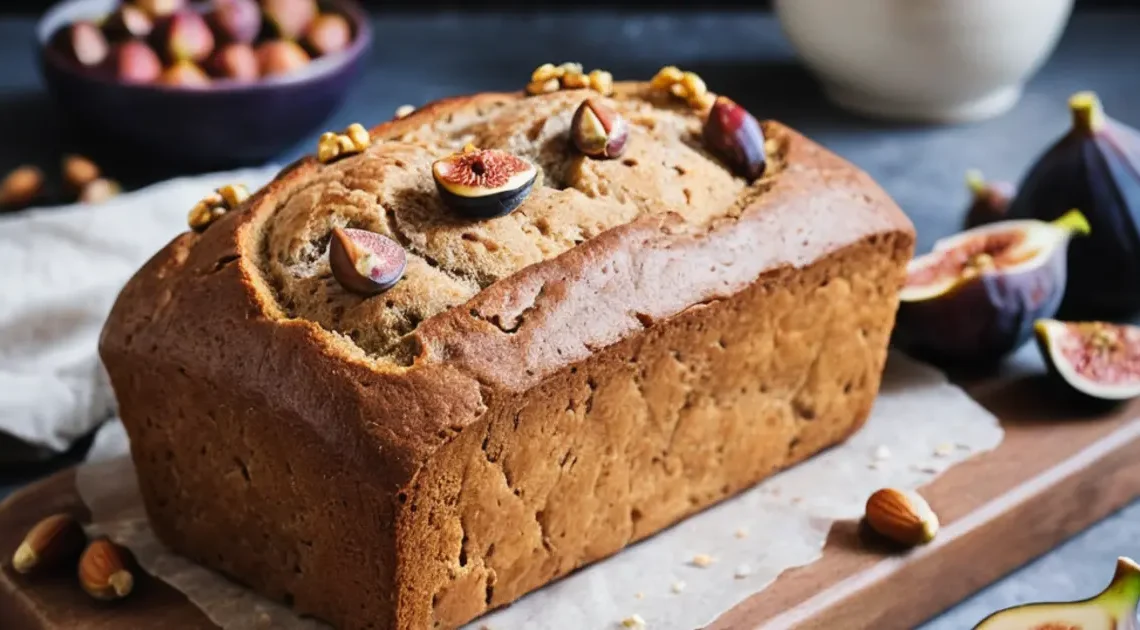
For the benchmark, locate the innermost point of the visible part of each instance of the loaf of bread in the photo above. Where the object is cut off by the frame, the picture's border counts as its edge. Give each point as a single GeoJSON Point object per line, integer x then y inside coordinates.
{"type": "Point", "coordinates": [641, 338]}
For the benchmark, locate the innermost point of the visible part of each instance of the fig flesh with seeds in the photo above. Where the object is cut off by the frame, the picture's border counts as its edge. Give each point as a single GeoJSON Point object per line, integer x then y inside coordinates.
{"type": "Point", "coordinates": [974, 298]}
{"type": "Point", "coordinates": [484, 183]}
{"type": "Point", "coordinates": [1094, 167]}
{"type": "Point", "coordinates": [1097, 360]}
{"type": "Point", "coordinates": [1113, 609]}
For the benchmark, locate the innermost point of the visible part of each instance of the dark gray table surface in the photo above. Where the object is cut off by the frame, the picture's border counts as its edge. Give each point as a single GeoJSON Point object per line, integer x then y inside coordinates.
{"type": "Point", "coordinates": [417, 59]}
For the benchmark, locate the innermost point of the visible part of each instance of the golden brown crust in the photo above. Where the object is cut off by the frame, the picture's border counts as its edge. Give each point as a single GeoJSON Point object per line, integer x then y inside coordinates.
{"type": "Point", "coordinates": [395, 400]}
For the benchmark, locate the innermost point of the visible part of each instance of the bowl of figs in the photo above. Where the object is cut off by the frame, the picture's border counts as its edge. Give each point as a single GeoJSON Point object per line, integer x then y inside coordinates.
{"type": "Point", "coordinates": [214, 83]}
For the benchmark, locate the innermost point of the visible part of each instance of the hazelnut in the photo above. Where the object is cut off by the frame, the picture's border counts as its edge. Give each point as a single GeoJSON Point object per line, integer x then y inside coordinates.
{"type": "Point", "coordinates": [365, 262]}
{"type": "Point", "coordinates": [235, 21]}
{"type": "Point", "coordinates": [132, 61]}
{"type": "Point", "coordinates": [279, 56]}
{"type": "Point", "coordinates": [484, 183]}
{"type": "Point", "coordinates": [185, 74]}
{"type": "Point", "coordinates": [289, 18]}
{"type": "Point", "coordinates": [49, 543]}
{"type": "Point", "coordinates": [99, 190]}
{"type": "Point", "coordinates": [81, 43]}
{"type": "Point", "coordinates": [235, 61]}
{"type": "Point", "coordinates": [104, 570]}
{"type": "Point", "coordinates": [21, 187]}
{"type": "Point", "coordinates": [184, 36]}
{"type": "Point", "coordinates": [598, 131]}
{"type": "Point", "coordinates": [329, 33]}
{"type": "Point", "coordinates": [736, 137]}
{"type": "Point", "coordinates": [159, 8]}
{"type": "Point", "coordinates": [127, 22]}
{"type": "Point", "coordinates": [78, 171]}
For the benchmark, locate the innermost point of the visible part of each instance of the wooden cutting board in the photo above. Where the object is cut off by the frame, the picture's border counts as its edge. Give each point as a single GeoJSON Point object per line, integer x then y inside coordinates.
{"type": "Point", "coordinates": [1060, 468]}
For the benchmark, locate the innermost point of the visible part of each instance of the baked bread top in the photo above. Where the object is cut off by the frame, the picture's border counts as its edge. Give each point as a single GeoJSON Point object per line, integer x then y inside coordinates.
{"type": "Point", "coordinates": [599, 250]}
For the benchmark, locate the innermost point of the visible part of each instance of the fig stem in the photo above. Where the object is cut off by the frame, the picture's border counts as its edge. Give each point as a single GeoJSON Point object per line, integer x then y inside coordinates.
{"type": "Point", "coordinates": [975, 182]}
{"type": "Point", "coordinates": [1073, 221]}
{"type": "Point", "coordinates": [1088, 113]}
{"type": "Point", "coordinates": [1123, 593]}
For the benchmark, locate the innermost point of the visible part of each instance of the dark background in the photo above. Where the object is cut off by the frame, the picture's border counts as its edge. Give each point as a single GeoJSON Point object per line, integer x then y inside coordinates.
{"type": "Point", "coordinates": [37, 6]}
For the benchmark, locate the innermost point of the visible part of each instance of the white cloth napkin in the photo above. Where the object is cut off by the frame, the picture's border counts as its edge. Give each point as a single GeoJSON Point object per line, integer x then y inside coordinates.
{"type": "Point", "coordinates": [60, 271]}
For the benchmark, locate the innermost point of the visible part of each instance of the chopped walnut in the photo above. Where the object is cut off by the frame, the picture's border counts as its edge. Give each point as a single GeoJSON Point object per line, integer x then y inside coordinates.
{"type": "Point", "coordinates": [354, 139]}
{"type": "Point", "coordinates": [684, 85]}
{"type": "Point", "coordinates": [549, 78]}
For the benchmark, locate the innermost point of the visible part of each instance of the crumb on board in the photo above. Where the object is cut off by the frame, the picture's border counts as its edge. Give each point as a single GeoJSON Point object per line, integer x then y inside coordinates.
{"type": "Point", "coordinates": [702, 560]}
{"type": "Point", "coordinates": [943, 450]}
{"type": "Point", "coordinates": [678, 586]}
{"type": "Point", "coordinates": [742, 572]}
{"type": "Point", "coordinates": [873, 465]}
{"type": "Point", "coordinates": [741, 532]}
{"type": "Point", "coordinates": [639, 595]}
{"type": "Point", "coordinates": [633, 621]}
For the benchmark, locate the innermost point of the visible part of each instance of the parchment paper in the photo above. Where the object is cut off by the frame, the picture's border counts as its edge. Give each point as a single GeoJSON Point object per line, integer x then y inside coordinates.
{"type": "Point", "coordinates": [921, 425]}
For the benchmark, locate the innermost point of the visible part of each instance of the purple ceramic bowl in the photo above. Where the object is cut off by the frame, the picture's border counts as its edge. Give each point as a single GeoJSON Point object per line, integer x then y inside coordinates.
{"type": "Point", "coordinates": [226, 124]}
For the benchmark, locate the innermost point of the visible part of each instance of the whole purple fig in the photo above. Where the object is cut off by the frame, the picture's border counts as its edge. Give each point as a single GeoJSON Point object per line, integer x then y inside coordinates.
{"type": "Point", "coordinates": [989, 201]}
{"type": "Point", "coordinates": [1094, 167]}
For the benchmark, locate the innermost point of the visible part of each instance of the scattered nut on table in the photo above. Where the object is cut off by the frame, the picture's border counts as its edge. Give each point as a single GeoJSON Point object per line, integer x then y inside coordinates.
{"type": "Point", "coordinates": [901, 516]}
{"type": "Point", "coordinates": [51, 542]}
{"type": "Point", "coordinates": [105, 570]}
{"type": "Point", "coordinates": [21, 187]}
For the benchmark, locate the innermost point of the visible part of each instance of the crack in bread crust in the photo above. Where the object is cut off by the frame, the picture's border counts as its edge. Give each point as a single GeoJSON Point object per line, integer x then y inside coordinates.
{"type": "Point", "coordinates": [389, 189]}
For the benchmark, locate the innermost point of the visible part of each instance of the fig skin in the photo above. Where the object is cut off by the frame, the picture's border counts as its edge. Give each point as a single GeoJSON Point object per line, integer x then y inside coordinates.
{"type": "Point", "coordinates": [1094, 167]}
{"type": "Point", "coordinates": [1050, 333]}
{"type": "Point", "coordinates": [237, 62]}
{"type": "Point", "coordinates": [1114, 607]}
{"type": "Point", "coordinates": [989, 201]}
{"type": "Point", "coordinates": [235, 21]}
{"type": "Point", "coordinates": [983, 318]}
{"type": "Point", "coordinates": [133, 62]}
{"type": "Point", "coordinates": [127, 22]}
{"type": "Point", "coordinates": [184, 36]}
{"type": "Point", "coordinates": [82, 44]}
{"type": "Point", "coordinates": [280, 56]}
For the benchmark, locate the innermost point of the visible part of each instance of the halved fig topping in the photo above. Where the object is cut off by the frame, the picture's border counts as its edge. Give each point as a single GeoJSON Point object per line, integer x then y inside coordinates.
{"type": "Point", "coordinates": [484, 183]}
{"type": "Point", "coordinates": [365, 262]}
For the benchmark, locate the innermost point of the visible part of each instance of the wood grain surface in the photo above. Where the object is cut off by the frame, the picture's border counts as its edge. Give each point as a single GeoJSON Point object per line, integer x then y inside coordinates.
{"type": "Point", "coordinates": [1060, 468]}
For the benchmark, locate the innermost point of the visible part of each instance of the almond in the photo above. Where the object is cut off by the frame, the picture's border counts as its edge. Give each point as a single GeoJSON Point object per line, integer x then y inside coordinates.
{"type": "Point", "coordinates": [49, 543]}
{"type": "Point", "coordinates": [901, 516]}
{"type": "Point", "coordinates": [104, 572]}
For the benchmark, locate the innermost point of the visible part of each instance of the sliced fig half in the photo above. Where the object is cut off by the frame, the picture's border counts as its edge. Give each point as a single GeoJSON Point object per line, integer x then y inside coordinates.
{"type": "Point", "coordinates": [975, 297]}
{"type": "Point", "coordinates": [1097, 359]}
{"type": "Point", "coordinates": [1113, 609]}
